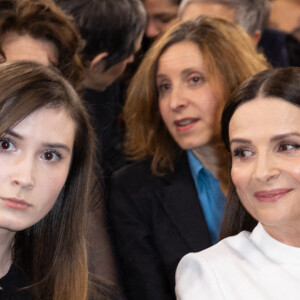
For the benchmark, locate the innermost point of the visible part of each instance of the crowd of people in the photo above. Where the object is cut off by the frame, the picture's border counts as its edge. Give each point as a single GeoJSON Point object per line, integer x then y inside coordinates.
{"type": "Point", "coordinates": [149, 149]}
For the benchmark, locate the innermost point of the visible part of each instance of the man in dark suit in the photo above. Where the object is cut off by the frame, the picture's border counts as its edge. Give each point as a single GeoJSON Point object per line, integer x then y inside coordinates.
{"type": "Point", "coordinates": [112, 33]}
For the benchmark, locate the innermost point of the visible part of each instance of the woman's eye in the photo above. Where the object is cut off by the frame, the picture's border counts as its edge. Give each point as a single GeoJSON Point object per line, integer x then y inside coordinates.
{"type": "Point", "coordinates": [288, 147]}
{"type": "Point", "coordinates": [196, 79]}
{"type": "Point", "coordinates": [51, 155]}
{"type": "Point", "coordinates": [242, 153]}
{"type": "Point", "coordinates": [6, 145]}
{"type": "Point", "coordinates": [162, 88]}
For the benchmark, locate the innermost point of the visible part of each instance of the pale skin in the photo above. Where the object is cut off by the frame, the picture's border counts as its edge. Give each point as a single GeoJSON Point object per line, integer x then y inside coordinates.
{"type": "Point", "coordinates": [195, 9]}
{"type": "Point", "coordinates": [24, 47]}
{"type": "Point", "coordinates": [189, 105]}
{"type": "Point", "coordinates": [216, 10]}
{"type": "Point", "coordinates": [265, 138]}
{"type": "Point", "coordinates": [97, 78]}
{"type": "Point", "coordinates": [161, 15]}
{"type": "Point", "coordinates": [34, 168]}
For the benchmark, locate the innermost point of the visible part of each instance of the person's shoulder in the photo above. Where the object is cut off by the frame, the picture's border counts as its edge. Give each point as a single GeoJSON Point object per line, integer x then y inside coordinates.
{"type": "Point", "coordinates": [133, 177]}
{"type": "Point", "coordinates": [200, 273]}
{"type": "Point", "coordinates": [136, 170]}
{"type": "Point", "coordinates": [225, 249]}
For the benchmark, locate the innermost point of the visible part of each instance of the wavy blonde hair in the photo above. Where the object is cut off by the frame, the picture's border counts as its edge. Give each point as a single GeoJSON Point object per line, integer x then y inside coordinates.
{"type": "Point", "coordinates": [230, 57]}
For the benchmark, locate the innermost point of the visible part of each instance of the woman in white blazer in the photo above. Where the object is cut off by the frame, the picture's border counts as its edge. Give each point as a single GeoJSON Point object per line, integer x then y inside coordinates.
{"type": "Point", "coordinates": [258, 256]}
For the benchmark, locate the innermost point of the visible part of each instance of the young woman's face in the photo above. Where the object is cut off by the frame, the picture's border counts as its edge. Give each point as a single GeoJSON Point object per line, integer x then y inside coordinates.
{"type": "Point", "coordinates": [265, 145]}
{"type": "Point", "coordinates": [35, 157]}
{"type": "Point", "coordinates": [187, 101]}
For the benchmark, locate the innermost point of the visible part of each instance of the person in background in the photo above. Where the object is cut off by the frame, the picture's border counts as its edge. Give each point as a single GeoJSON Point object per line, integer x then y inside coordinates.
{"type": "Point", "coordinates": [112, 31]}
{"type": "Point", "coordinates": [37, 30]}
{"type": "Point", "coordinates": [161, 15]}
{"type": "Point", "coordinates": [285, 15]}
{"type": "Point", "coordinates": [170, 200]}
{"type": "Point", "coordinates": [251, 15]}
{"type": "Point", "coordinates": [46, 180]}
{"type": "Point", "coordinates": [258, 255]}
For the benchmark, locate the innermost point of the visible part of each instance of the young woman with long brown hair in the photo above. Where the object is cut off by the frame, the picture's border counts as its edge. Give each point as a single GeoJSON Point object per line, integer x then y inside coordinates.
{"type": "Point", "coordinates": [46, 183]}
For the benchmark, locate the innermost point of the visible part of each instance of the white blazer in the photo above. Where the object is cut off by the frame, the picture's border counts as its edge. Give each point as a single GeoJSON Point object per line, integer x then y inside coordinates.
{"type": "Point", "coordinates": [248, 266]}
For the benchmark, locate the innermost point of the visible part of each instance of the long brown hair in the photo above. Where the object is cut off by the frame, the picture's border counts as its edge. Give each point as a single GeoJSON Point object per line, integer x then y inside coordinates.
{"type": "Point", "coordinates": [279, 83]}
{"type": "Point", "coordinates": [230, 57]}
{"type": "Point", "coordinates": [52, 253]}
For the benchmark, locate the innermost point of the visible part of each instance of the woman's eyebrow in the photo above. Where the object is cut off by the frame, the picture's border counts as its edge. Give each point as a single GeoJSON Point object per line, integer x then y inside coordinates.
{"type": "Point", "coordinates": [57, 146]}
{"type": "Point", "coordinates": [14, 134]}
{"type": "Point", "coordinates": [283, 136]}
{"type": "Point", "coordinates": [240, 140]}
{"type": "Point", "coordinates": [46, 145]}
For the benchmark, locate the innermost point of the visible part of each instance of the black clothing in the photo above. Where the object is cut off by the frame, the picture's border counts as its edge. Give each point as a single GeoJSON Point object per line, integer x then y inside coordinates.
{"type": "Point", "coordinates": [281, 49]}
{"type": "Point", "coordinates": [11, 282]}
{"type": "Point", "coordinates": [156, 221]}
{"type": "Point", "coordinates": [273, 43]}
{"type": "Point", "coordinates": [293, 48]}
{"type": "Point", "coordinates": [104, 108]}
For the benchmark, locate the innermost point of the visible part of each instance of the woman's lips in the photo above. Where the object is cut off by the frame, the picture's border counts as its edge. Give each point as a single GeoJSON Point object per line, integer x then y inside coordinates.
{"type": "Point", "coordinates": [271, 195]}
{"type": "Point", "coordinates": [185, 124]}
{"type": "Point", "coordinates": [14, 203]}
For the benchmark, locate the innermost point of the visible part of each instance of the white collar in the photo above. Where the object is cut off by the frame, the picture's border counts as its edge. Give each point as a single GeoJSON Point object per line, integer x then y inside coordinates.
{"type": "Point", "coordinates": [277, 251]}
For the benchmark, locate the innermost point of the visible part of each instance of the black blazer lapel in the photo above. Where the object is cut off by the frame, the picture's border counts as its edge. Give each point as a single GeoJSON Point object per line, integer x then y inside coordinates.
{"type": "Point", "coordinates": [180, 200]}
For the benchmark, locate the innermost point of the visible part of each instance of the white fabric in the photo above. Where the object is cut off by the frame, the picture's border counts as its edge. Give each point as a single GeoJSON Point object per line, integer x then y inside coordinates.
{"type": "Point", "coordinates": [248, 266]}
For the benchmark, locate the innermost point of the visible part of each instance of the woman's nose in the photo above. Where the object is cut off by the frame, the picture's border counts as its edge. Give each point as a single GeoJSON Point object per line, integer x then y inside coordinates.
{"type": "Point", "coordinates": [265, 168]}
{"type": "Point", "coordinates": [23, 172]}
{"type": "Point", "coordinates": [177, 99]}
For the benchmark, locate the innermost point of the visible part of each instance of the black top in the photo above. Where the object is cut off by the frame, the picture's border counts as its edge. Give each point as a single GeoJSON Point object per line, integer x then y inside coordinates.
{"type": "Point", "coordinates": [156, 221]}
{"type": "Point", "coordinates": [104, 108]}
{"type": "Point", "coordinates": [11, 282]}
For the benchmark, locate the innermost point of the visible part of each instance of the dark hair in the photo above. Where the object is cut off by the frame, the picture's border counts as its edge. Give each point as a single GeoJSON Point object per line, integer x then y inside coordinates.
{"type": "Point", "coordinates": [283, 83]}
{"type": "Point", "coordinates": [52, 253]}
{"type": "Point", "coordinates": [42, 19]}
{"type": "Point", "coordinates": [111, 26]}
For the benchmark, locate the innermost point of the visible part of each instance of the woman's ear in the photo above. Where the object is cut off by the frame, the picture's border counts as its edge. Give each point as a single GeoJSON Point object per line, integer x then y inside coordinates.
{"type": "Point", "coordinates": [98, 62]}
{"type": "Point", "coordinates": [256, 36]}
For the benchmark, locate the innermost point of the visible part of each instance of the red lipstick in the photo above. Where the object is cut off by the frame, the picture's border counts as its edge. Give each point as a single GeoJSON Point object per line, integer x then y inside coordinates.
{"type": "Point", "coordinates": [271, 195]}
{"type": "Point", "coordinates": [16, 203]}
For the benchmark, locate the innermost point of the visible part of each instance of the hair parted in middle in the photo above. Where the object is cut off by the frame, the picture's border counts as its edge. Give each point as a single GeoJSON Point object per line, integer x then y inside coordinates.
{"type": "Point", "coordinates": [230, 57]}
{"type": "Point", "coordinates": [282, 83]}
{"type": "Point", "coordinates": [52, 252]}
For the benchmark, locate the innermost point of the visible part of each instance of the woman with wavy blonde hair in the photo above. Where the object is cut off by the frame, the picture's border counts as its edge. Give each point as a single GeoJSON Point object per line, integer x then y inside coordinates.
{"type": "Point", "coordinates": [171, 200]}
